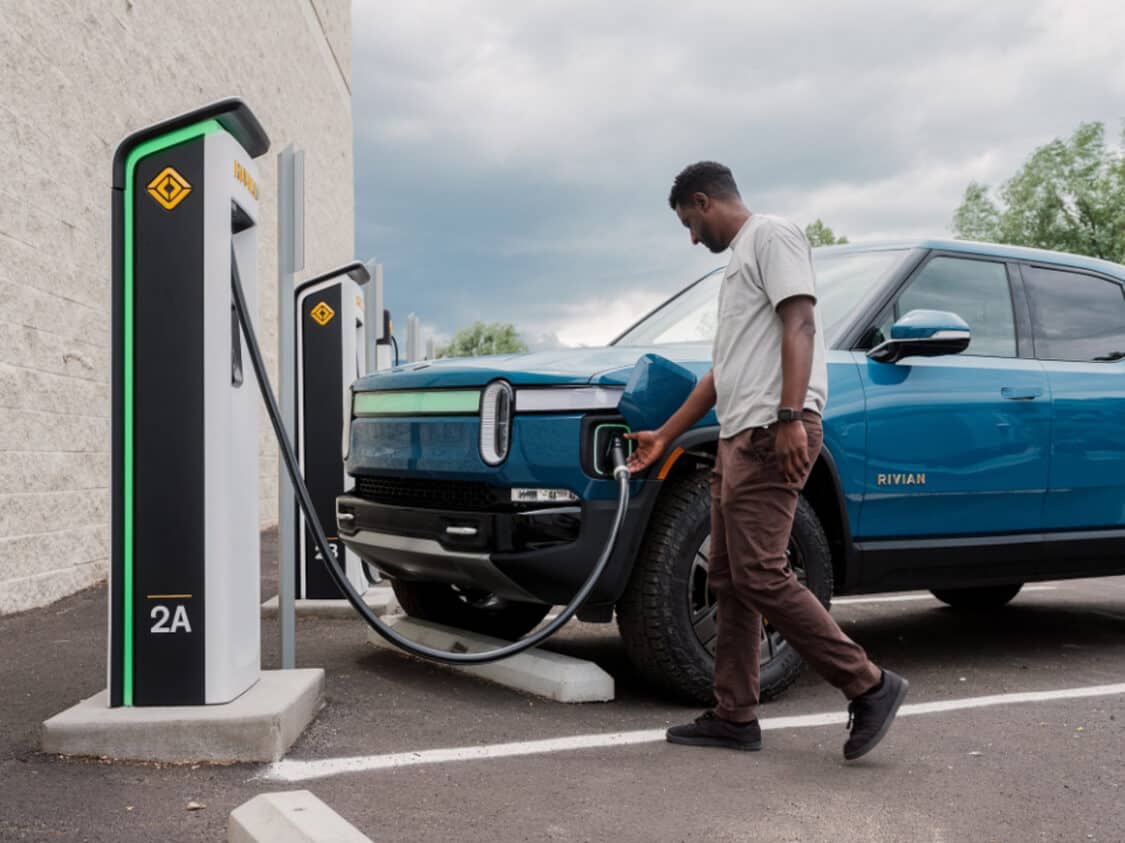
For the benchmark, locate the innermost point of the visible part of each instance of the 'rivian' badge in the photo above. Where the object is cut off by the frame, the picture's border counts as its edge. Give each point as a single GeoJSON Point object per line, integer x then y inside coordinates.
{"type": "Point", "coordinates": [900, 479]}
{"type": "Point", "coordinates": [169, 188]}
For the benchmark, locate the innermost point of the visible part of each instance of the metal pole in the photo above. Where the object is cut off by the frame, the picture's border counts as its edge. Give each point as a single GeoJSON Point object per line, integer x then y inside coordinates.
{"type": "Point", "coordinates": [373, 314]}
{"type": "Point", "coordinates": [290, 259]}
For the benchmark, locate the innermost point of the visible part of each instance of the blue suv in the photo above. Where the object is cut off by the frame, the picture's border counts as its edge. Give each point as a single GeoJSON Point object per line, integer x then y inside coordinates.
{"type": "Point", "coordinates": [974, 441]}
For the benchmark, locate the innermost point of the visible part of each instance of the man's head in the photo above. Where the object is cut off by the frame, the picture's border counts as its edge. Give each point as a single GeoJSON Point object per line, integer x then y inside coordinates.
{"type": "Point", "coordinates": [706, 199]}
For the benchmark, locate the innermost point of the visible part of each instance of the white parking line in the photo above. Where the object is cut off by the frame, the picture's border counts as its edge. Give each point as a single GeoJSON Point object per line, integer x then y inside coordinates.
{"type": "Point", "coordinates": [905, 598]}
{"type": "Point", "coordinates": [297, 771]}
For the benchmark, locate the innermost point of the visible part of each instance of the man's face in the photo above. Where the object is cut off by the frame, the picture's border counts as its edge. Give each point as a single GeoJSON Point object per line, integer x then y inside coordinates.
{"type": "Point", "coordinates": [699, 217]}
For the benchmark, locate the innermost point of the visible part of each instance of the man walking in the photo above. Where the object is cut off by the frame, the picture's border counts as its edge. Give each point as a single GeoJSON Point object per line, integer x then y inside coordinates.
{"type": "Point", "coordinates": [768, 384]}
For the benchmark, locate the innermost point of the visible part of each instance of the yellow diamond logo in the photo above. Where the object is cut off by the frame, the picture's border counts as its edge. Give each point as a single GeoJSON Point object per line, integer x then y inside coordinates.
{"type": "Point", "coordinates": [169, 188]}
{"type": "Point", "coordinates": [322, 314]}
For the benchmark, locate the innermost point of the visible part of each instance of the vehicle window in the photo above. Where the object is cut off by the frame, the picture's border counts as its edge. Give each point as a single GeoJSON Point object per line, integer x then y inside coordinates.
{"type": "Point", "coordinates": [977, 291]}
{"type": "Point", "coordinates": [1074, 316]}
{"type": "Point", "coordinates": [841, 282]}
{"type": "Point", "coordinates": [690, 316]}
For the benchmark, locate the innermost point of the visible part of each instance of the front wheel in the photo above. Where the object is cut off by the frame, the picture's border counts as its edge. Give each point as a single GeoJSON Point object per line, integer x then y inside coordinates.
{"type": "Point", "coordinates": [667, 614]}
{"type": "Point", "coordinates": [475, 611]}
{"type": "Point", "coordinates": [982, 597]}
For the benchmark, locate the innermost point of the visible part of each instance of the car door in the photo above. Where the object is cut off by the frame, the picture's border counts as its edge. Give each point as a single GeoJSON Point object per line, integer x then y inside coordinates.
{"type": "Point", "coordinates": [1078, 330]}
{"type": "Point", "coordinates": [957, 445]}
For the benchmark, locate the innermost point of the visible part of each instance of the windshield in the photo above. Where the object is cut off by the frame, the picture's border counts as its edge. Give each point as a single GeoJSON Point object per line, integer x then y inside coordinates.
{"type": "Point", "coordinates": [842, 279]}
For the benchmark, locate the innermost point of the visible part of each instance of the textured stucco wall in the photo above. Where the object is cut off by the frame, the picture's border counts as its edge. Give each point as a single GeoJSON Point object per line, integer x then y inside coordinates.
{"type": "Point", "coordinates": [75, 78]}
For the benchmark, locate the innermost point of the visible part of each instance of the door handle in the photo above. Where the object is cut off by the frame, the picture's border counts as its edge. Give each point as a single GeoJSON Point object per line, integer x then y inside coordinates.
{"type": "Point", "coordinates": [1021, 393]}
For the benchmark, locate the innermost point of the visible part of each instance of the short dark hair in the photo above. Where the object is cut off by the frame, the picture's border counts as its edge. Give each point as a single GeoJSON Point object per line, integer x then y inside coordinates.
{"type": "Point", "coordinates": [708, 177]}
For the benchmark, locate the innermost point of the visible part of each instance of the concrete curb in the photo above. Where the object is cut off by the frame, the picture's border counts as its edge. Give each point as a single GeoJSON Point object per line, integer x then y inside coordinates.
{"type": "Point", "coordinates": [551, 675]}
{"type": "Point", "coordinates": [260, 725]}
{"type": "Point", "coordinates": [292, 816]}
{"type": "Point", "coordinates": [381, 599]}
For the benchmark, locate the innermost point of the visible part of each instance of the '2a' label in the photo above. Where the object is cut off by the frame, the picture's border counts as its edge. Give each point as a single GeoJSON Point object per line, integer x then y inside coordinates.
{"type": "Point", "coordinates": [168, 620]}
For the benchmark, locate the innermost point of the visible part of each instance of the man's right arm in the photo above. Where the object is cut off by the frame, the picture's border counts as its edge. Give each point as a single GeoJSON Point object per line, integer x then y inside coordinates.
{"type": "Point", "coordinates": [651, 444]}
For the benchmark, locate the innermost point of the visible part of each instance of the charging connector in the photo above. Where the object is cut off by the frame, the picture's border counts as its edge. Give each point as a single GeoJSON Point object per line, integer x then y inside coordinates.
{"type": "Point", "coordinates": [617, 448]}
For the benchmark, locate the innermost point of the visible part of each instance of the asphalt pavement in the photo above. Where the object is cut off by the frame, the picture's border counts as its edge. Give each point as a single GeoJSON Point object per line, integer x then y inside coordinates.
{"type": "Point", "coordinates": [974, 757]}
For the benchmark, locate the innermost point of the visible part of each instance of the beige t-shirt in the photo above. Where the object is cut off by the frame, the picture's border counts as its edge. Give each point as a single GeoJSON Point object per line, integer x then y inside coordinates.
{"type": "Point", "coordinates": [770, 262]}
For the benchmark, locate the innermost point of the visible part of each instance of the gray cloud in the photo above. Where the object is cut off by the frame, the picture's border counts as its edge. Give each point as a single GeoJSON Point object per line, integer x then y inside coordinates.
{"type": "Point", "coordinates": [513, 160]}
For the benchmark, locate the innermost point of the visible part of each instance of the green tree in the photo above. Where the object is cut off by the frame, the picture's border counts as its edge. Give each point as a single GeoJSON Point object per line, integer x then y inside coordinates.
{"type": "Point", "coordinates": [818, 234]}
{"type": "Point", "coordinates": [480, 339]}
{"type": "Point", "coordinates": [1069, 195]}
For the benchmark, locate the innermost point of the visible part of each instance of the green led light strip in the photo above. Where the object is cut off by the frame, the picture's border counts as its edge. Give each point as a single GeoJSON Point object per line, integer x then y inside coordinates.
{"type": "Point", "coordinates": [142, 150]}
{"type": "Point", "coordinates": [429, 402]}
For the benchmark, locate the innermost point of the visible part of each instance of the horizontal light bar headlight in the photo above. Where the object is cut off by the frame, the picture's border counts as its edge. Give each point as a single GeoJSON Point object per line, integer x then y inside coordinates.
{"type": "Point", "coordinates": [429, 402]}
{"type": "Point", "coordinates": [566, 399]}
{"type": "Point", "coordinates": [543, 496]}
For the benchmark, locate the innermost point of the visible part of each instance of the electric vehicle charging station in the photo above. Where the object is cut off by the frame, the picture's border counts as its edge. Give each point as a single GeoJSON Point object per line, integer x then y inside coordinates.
{"type": "Point", "coordinates": [331, 353]}
{"type": "Point", "coordinates": [184, 567]}
{"type": "Point", "coordinates": [184, 666]}
{"type": "Point", "coordinates": [337, 331]}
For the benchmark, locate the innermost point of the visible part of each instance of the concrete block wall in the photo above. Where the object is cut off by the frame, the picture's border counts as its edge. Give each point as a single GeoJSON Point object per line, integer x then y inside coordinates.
{"type": "Point", "coordinates": [76, 77]}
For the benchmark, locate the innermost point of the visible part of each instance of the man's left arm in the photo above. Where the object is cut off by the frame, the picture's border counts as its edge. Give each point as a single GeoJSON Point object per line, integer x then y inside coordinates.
{"type": "Point", "coordinates": [798, 336]}
{"type": "Point", "coordinates": [790, 284]}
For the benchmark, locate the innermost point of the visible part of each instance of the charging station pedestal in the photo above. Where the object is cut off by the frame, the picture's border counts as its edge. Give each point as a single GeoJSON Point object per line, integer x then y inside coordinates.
{"type": "Point", "coordinates": [332, 328]}
{"type": "Point", "coordinates": [339, 330]}
{"type": "Point", "coordinates": [184, 629]}
{"type": "Point", "coordinates": [331, 351]}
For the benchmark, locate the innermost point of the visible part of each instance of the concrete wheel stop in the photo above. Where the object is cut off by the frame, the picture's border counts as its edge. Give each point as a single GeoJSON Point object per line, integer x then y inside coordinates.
{"type": "Point", "coordinates": [292, 816]}
{"type": "Point", "coordinates": [541, 672]}
{"type": "Point", "coordinates": [381, 599]}
{"type": "Point", "coordinates": [260, 725]}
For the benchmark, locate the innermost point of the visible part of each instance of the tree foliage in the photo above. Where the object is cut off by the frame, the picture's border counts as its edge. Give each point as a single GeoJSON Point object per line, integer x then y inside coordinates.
{"type": "Point", "coordinates": [818, 234]}
{"type": "Point", "coordinates": [1069, 195]}
{"type": "Point", "coordinates": [480, 339]}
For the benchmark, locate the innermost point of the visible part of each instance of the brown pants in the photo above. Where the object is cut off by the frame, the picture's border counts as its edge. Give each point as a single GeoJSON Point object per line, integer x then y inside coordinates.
{"type": "Point", "coordinates": [752, 509]}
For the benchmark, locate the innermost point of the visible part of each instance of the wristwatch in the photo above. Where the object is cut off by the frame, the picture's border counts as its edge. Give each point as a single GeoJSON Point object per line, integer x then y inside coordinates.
{"type": "Point", "coordinates": [788, 414]}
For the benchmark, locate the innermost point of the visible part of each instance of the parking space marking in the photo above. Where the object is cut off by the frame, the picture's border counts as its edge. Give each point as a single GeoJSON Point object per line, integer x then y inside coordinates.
{"type": "Point", "coordinates": [297, 771]}
{"type": "Point", "coordinates": [905, 598]}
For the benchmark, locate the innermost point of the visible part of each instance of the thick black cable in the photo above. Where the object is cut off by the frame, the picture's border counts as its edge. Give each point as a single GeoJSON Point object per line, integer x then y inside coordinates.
{"type": "Point", "coordinates": [620, 473]}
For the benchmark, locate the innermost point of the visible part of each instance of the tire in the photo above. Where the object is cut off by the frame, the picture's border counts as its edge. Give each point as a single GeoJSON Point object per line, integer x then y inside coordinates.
{"type": "Point", "coordinates": [475, 611]}
{"type": "Point", "coordinates": [981, 597]}
{"type": "Point", "coordinates": [667, 588]}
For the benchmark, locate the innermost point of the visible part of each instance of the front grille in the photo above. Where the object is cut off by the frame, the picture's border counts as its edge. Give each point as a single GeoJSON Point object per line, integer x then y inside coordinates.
{"type": "Point", "coordinates": [436, 494]}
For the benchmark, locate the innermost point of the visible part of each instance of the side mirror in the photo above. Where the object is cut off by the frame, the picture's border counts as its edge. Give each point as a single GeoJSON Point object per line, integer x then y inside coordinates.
{"type": "Point", "coordinates": [924, 333]}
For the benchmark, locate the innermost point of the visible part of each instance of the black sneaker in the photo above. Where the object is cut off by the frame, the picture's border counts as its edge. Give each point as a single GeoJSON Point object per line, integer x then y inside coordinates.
{"type": "Point", "coordinates": [711, 730]}
{"type": "Point", "coordinates": [871, 714]}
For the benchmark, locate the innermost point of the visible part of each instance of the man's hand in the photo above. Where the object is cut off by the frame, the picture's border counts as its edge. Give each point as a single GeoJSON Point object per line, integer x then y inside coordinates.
{"type": "Point", "coordinates": [793, 450]}
{"type": "Point", "coordinates": [650, 445]}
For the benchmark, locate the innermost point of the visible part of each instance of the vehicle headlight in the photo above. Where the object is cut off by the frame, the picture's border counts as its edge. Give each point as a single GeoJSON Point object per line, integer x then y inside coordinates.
{"type": "Point", "coordinates": [568, 399]}
{"type": "Point", "coordinates": [496, 422]}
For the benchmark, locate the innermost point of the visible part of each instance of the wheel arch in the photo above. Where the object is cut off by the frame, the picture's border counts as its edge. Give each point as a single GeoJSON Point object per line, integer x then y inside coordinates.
{"type": "Point", "coordinates": [696, 450]}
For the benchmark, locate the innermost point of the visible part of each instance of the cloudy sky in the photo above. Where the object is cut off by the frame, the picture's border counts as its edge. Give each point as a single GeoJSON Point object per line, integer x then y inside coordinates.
{"type": "Point", "coordinates": [513, 159]}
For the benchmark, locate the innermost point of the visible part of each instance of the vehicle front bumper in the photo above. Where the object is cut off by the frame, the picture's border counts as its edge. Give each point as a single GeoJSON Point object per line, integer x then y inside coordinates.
{"type": "Point", "coordinates": [538, 555]}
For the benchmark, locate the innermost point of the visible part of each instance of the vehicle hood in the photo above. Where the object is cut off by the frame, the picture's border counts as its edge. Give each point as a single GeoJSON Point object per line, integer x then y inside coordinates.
{"type": "Point", "coordinates": [604, 366]}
